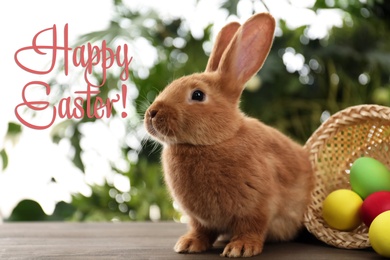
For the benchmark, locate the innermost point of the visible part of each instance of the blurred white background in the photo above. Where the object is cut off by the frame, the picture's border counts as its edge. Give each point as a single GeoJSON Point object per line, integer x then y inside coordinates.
{"type": "Point", "coordinates": [34, 157]}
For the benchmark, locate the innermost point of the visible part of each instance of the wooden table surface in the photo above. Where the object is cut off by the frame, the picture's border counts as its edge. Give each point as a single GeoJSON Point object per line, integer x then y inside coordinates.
{"type": "Point", "coordinates": [132, 240]}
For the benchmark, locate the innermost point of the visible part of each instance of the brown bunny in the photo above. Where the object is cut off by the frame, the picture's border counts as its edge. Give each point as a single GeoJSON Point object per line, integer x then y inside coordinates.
{"type": "Point", "coordinates": [231, 174]}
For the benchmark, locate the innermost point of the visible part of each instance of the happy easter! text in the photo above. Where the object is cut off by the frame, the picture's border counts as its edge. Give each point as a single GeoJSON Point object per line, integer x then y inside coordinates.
{"type": "Point", "coordinates": [88, 57]}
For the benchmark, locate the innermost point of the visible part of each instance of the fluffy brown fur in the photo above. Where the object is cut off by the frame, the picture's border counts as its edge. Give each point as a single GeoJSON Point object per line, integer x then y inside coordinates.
{"type": "Point", "coordinates": [231, 174]}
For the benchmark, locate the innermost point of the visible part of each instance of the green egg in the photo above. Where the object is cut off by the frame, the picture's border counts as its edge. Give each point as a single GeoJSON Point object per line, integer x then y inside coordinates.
{"type": "Point", "coordinates": [368, 176]}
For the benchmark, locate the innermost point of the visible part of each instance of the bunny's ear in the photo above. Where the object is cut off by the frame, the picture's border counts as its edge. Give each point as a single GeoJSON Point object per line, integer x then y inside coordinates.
{"type": "Point", "coordinates": [247, 52]}
{"type": "Point", "coordinates": [222, 41]}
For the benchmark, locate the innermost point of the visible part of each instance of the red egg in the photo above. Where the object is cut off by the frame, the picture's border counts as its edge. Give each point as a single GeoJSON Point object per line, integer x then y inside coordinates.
{"type": "Point", "coordinates": [373, 205]}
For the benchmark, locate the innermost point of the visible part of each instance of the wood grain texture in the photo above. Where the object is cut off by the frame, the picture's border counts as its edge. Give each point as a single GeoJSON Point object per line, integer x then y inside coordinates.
{"type": "Point", "coordinates": [133, 240]}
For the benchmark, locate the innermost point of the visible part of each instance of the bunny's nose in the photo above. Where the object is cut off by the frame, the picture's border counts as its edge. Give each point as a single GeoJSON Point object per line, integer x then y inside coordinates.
{"type": "Point", "coordinates": [153, 113]}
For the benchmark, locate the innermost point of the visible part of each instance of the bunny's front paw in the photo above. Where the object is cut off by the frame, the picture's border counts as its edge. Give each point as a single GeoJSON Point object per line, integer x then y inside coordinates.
{"type": "Point", "coordinates": [242, 248]}
{"type": "Point", "coordinates": [191, 244]}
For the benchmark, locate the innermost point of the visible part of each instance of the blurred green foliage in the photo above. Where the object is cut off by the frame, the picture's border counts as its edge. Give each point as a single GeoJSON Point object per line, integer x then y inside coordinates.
{"type": "Point", "coordinates": [349, 66]}
{"type": "Point", "coordinates": [30, 210]}
{"type": "Point", "coordinates": [13, 132]}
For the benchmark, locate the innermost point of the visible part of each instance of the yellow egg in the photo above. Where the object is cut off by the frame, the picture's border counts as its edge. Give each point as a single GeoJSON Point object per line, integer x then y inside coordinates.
{"type": "Point", "coordinates": [379, 234]}
{"type": "Point", "coordinates": [341, 210]}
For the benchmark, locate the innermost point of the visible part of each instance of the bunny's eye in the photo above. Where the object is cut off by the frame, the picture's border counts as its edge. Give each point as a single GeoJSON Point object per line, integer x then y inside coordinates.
{"type": "Point", "coordinates": [198, 95]}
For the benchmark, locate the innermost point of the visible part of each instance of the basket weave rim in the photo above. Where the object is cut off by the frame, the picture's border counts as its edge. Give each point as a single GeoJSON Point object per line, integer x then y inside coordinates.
{"type": "Point", "coordinates": [348, 116]}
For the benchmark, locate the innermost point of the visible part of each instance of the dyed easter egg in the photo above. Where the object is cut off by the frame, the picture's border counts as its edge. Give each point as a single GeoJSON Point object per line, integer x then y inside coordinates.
{"type": "Point", "coordinates": [368, 176]}
{"type": "Point", "coordinates": [379, 234]}
{"type": "Point", "coordinates": [341, 209]}
{"type": "Point", "coordinates": [374, 205]}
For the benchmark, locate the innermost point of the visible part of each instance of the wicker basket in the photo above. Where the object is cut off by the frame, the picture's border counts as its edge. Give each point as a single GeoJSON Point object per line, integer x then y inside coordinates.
{"type": "Point", "coordinates": [347, 135]}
